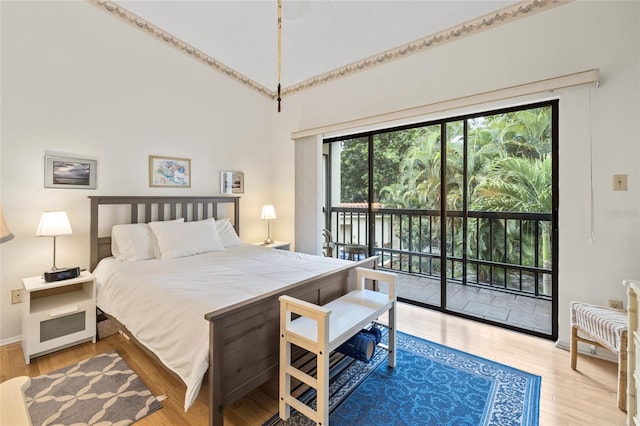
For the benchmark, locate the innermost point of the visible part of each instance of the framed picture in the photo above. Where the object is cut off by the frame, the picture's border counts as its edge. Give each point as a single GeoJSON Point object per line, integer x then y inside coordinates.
{"type": "Point", "coordinates": [69, 173]}
{"type": "Point", "coordinates": [231, 183]}
{"type": "Point", "coordinates": [169, 172]}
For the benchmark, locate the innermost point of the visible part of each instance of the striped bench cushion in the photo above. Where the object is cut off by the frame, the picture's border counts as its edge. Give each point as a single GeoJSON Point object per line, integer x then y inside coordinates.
{"type": "Point", "coordinates": [606, 326]}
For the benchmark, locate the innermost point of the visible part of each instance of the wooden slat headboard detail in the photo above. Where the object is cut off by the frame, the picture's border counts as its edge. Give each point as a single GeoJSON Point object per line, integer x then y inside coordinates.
{"type": "Point", "coordinates": [149, 208]}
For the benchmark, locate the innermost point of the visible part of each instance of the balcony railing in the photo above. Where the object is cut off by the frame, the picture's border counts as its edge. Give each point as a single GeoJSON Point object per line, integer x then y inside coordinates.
{"type": "Point", "coordinates": [505, 251]}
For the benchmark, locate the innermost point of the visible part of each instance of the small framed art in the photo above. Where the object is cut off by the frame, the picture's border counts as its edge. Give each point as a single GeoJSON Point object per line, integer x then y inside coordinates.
{"type": "Point", "coordinates": [169, 172]}
{"type": "Point", "coordinates": [69, 173]}
{"type": "Point", "coordinates": [231, 183]}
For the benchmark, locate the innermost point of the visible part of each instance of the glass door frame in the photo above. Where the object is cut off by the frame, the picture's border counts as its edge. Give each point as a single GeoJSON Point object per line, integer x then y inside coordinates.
{"type": "Point", "coordinates": [444, 216]}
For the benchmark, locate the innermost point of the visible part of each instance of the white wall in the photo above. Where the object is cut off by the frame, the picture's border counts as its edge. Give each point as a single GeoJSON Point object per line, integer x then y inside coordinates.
{"type": "Point", "coordinates": [76, 80]}
{"type": "Point", "coordinates": [574, 37]}
{"type": "Point", "coordinates": [309, 218]}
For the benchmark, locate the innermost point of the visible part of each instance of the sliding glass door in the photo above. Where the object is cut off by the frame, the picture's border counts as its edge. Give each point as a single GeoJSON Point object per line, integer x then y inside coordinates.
{"type": "Point", "coordinates": [462, 208]}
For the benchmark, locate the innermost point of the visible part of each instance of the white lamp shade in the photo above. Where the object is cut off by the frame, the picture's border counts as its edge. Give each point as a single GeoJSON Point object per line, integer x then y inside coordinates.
{"type": "Point", "coordinates": [5, 234]}
{"type": "Point", "coordinates": [53, 224]}
{"type": "Point", "coordinates": [268, 212]}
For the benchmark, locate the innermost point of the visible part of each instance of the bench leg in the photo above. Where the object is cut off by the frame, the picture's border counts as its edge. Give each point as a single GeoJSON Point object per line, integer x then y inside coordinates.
{"type": "Point", "coordinates": [285, 379]}
{"type": "Point", "coordinates": [622, 376]}
{"type": "Point", "coordinates": [574, 347]}
{"type": "Point", "coordinates": [322, 396]}
{"type": "Point", "coordinates": [392, 336]}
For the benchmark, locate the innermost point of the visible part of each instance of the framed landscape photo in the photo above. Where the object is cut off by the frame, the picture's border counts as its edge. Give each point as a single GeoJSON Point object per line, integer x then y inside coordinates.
{"type": "Point", "coordinates": [231, 183]}
{"type": "Point", "coordinates": [69, 173]}
{"type": "Point", "coordinates": [169, 172]}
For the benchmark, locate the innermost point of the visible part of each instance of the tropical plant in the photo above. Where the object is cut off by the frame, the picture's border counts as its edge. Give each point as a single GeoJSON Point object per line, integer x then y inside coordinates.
{"type": "Point", "coordinates": [516, 184]}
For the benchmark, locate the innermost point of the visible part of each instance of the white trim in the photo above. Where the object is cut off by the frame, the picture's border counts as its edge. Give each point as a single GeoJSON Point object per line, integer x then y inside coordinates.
{"type": "Point", "coordinates": [11, 340]}
{"type": "Point", "coordinates": [550, 84]}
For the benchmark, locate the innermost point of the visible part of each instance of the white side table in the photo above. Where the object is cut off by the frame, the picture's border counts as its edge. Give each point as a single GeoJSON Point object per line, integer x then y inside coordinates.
{"type": "Point", "coordinates": [57, 314]}
{"type": "Point", "coordinates": [280, 245]}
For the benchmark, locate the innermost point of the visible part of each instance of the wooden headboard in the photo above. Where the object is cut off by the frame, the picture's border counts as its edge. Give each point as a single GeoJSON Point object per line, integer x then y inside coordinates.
{"type": "Point", "coordinates": [147, 209]}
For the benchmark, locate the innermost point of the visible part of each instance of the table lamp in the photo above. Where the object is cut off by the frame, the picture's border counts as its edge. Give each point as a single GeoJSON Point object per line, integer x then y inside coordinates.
{"type": "Point", "coordinates": [53, 224]}
{"type": "Point", "coordinates": [268, 213]}
{"type": "Point", "coordinates": [5, 234]}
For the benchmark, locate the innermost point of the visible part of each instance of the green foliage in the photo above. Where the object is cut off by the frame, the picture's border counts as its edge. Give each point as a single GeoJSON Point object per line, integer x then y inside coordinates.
{"type": "Point", "coordinates": [516, 184]}
{"type": "Point", "coordinates": [354, 170]}
{"type": "Point", "coordinates": [418, 174]}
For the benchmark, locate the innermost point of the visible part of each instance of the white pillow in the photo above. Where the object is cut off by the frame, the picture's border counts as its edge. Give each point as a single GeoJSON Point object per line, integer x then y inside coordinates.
{"type": "Point", "coordinates": [186, 239]}
{"type": "Point", "coordinates": [133, 241]}
{"type": "Point", "coordinates": [156, 249]}
{"type": "Point", "coordinates": [227, 233]}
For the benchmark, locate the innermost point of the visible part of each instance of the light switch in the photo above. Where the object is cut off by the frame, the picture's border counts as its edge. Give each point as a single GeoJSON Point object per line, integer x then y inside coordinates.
{"type": "Point", "coordinates": [619, 182]}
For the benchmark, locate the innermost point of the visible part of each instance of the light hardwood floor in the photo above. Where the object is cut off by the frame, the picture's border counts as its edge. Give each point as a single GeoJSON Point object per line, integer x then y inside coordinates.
{"type": "Point", "coordinates": [583, 397]}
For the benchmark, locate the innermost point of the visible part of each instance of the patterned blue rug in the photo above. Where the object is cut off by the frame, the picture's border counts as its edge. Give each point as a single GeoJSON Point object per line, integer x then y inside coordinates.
{"type": "Point", "coordinates": [430, 385]}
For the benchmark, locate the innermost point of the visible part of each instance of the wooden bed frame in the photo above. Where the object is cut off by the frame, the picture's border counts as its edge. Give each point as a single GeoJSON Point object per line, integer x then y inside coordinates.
{"type": "Point", "coordinates": [243, 338]}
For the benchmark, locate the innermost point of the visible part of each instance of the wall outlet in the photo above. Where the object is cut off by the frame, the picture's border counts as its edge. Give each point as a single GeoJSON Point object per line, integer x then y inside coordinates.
{"type": "Point", "coordinates": [16, 296]}
{"type": "Point", "coordinates": [619, 182]}
{"type": "Point", "coordinates": [616, 304]}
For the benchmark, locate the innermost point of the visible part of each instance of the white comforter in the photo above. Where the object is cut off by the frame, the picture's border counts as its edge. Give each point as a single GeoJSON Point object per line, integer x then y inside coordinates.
{"type": "Point", "coordinates": [163, 302]}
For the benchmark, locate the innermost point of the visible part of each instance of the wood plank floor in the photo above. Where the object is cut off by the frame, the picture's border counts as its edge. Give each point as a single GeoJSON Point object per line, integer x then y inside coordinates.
{"type": "Point", "coordinates": [583, 397]}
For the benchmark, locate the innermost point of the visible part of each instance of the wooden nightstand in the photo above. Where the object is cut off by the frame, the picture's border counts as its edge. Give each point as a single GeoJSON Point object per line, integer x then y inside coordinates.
{"type": "Point", "coordinates": [58, 314]}
{"type": "Point", "coordinates": [280, 245]}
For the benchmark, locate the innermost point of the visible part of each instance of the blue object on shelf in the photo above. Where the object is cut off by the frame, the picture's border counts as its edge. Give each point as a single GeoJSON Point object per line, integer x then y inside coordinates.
{"type": "Point", "coordinates": [361, 346]}
{"type": "Point", "coordinates": [375, 332]}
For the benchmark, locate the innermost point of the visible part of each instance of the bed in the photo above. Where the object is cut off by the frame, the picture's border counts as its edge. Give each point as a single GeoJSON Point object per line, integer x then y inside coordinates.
{"type": "Point", "coordinates": [241, 344]}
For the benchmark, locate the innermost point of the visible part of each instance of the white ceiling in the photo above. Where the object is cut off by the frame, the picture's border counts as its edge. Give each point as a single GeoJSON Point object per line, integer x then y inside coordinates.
{"type": "Point", "coordinates": [317, 36]}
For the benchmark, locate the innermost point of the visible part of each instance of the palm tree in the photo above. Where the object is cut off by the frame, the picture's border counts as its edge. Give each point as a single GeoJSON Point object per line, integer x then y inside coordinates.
{"type": "Point", "coordinates": [516, 184]}
{"type": "Point", "coordinates": [520, 185]}
{"type": "Point", "coordinates": [418, 183]}
{"type": "Point", "coordinates": [528, 133]}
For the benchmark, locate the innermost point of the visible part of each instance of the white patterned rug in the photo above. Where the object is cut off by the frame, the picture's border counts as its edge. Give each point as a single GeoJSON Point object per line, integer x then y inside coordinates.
{"type": "Point", "coordinates": [100, 390]}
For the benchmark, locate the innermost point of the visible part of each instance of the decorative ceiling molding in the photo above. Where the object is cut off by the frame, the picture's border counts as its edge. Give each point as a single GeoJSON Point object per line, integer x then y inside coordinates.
{"type": "Point", "coordinates": [144, 25]}
{"type": "Point", "coordinates": [503, 16]}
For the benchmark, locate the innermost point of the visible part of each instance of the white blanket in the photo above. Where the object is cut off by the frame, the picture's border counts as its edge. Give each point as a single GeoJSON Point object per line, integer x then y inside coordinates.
{"type": "Point", "coordinates": [163, 302]}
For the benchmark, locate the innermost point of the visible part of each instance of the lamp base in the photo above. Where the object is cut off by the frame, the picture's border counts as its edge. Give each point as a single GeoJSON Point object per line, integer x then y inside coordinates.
{"type": "Point", "coordinates": [267, 242]}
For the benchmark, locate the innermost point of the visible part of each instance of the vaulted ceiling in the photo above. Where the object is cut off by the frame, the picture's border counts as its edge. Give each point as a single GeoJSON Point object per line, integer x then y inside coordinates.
{"type": "Point", "coordinates": [321, 40]}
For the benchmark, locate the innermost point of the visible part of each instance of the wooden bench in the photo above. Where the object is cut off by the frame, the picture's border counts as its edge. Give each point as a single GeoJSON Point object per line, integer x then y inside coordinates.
{"type": "Point", "coordinates": [321, 329]}
{"type": "Point", "coordinates": [604, 327]}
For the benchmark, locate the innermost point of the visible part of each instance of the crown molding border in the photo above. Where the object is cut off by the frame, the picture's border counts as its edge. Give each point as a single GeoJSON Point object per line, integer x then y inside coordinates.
{"type": "Point", "coordinates": [503, 16]}
{"type": "Point", "coordinates": [494, 19]}
{"type": "Point", "coordinates": [173, 41]}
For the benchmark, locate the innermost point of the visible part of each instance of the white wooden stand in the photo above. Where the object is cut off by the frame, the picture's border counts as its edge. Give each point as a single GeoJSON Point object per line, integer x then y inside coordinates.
{"type": "Point", "coordinates": [57, 314]}
{"type": "Point", "coordinates": [321, 329]}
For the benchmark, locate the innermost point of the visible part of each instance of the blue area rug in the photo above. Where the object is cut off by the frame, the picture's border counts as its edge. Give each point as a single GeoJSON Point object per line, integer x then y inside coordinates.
{"type": "Point", "coordinates": [430, 385]}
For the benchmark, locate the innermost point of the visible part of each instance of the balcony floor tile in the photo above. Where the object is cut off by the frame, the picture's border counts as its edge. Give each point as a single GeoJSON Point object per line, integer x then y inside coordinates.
{"type": "Point", "coordinates": [517, 310]}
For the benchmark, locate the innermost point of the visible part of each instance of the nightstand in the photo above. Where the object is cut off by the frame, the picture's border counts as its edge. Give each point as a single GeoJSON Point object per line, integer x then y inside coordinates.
{"type": "Point", "coordinates": [57, 314]}
{"type": "Point", "coordinates": [280, 245]}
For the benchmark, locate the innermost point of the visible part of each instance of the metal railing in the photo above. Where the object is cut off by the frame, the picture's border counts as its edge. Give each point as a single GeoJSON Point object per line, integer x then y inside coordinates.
{"type": "Point", "coordinates": [507, 251]}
